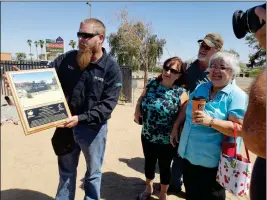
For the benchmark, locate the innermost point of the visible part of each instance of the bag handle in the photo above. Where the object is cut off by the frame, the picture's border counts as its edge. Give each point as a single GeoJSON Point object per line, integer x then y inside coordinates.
{"type": "Point", "coordinates": [235, 136]}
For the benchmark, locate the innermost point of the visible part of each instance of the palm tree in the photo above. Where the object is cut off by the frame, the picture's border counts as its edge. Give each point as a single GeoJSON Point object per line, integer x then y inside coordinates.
{"type": "Point", "coordinates": [36, 45]}
{"type": "Point", "coordinates": [30, 45]}
{"type": "Point", "coordinates": [41, 43]}
{"type": "Point", "coordinates": [72, 44]}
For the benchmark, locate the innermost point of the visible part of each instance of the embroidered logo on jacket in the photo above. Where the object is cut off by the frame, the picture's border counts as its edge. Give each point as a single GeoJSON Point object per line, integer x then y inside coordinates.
{"type": "Point", "coordinates": [70, 67]}
{"type": "Point", "coordinates": [99, 78]}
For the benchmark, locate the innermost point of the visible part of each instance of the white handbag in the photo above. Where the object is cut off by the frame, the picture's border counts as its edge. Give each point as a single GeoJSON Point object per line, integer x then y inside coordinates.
{"type": "Point", "coordinates": [234, 171]}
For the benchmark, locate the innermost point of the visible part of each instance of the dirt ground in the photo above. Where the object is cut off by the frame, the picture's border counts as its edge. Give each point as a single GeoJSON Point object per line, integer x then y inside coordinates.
{"type": "Point", "coordinates": [29, 165]}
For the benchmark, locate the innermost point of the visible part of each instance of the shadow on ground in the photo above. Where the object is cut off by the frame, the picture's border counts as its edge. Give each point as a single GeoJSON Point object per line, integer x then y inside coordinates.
{"type": "Point", "coordinates": [21, 194]}
{"type": "Point", "coordinates": [137, 164]}
{"type": "Point", "coordinates": [117, 187]}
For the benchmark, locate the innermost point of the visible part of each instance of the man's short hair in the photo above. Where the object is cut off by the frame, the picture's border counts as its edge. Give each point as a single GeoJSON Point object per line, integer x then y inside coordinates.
{"type": "Point", "coordinates": [99, 26]}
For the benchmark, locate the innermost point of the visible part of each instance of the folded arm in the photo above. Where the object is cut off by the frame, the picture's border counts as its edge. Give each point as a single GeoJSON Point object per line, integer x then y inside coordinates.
{"type": "Point", "coordinates": [226, 126]}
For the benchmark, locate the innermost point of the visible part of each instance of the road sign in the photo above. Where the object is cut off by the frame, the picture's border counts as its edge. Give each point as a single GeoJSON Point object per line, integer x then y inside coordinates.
{"type": "Point", "coordinates": [54, 46]}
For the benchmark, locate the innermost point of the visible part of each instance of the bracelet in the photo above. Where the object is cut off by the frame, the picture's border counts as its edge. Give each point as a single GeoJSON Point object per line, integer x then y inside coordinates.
{"type": "Point", "coordinates": [211, 122]}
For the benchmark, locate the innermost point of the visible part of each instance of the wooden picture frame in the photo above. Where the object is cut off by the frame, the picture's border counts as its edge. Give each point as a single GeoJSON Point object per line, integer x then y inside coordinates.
{"type": "Point", "coordinates": [39, 99]}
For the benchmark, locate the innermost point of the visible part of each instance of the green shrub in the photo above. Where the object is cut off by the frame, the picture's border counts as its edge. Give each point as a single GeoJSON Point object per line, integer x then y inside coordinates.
{"type": "Point", "coordinates": [29, 96]}
{"type": "Point", "coordinates": [156, 70]}
{"type": "Point", "coordinates": [254, 72]}
{"type": "Point", "coordinates": [242, 67]}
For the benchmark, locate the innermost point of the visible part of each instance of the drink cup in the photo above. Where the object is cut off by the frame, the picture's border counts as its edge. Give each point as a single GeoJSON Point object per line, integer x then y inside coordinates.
{"type": "Point", "coordinates": [198, 103]}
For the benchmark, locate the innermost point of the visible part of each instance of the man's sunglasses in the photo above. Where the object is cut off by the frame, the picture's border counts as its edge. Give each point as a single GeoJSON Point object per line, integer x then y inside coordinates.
{"type": "Point", "coordinates": [204, 46]}
{"type": "Point", "coordinates": [173, 71]}
{"type": "Point", "coordinates": [86, 35]}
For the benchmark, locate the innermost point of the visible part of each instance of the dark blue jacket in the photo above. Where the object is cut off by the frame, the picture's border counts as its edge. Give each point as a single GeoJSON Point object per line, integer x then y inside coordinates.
{"type": "Point", "coordinates": [93, 93]}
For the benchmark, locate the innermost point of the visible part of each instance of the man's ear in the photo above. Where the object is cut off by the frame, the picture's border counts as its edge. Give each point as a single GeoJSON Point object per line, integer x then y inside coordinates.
{"type": "Point", "coordinates": [102, 37]}
{"type": "Point", "coordinates": [219, 49]}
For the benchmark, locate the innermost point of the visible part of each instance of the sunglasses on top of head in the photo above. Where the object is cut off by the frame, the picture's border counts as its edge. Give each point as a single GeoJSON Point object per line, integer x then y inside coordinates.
{"type": "Point", "coordinates": [173, 71]}
{"type": "Point", "coordinates": [86, 35]}
{"type": "Point", "coordinates": [204, 46]}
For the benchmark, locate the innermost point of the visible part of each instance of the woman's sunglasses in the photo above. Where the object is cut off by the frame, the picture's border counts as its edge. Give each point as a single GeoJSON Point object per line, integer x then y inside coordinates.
{"type": "Point", "coordinates": [86, 35]}
{"type": "Point", "coordinates": [173, 71]}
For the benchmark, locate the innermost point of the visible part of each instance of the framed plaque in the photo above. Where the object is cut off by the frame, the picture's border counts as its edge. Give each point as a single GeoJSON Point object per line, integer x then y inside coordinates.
{"type": "Point", "coordinates": [39, 99]}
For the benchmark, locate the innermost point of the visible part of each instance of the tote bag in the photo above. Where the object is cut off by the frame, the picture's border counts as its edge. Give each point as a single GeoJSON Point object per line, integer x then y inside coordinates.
{"type": "Point", "coordinates": [234, 171]}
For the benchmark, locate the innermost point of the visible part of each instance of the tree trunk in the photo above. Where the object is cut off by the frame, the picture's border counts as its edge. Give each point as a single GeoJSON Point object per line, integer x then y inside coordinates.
{"type": "Point", "coordinates": [31, 53]}
{"type": "Point", "coordinates": [145, 74]}
{"type": "Point", "coordinates": [37, 53]}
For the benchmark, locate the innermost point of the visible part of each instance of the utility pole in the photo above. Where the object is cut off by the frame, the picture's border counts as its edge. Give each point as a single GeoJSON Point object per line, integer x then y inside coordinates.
{"type": "Point", "coordinates": [89, 4]}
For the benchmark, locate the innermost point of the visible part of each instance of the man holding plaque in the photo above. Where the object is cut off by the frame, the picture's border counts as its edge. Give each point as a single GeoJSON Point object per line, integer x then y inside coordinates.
{"type": "Point", "coordinates": [91, 81]}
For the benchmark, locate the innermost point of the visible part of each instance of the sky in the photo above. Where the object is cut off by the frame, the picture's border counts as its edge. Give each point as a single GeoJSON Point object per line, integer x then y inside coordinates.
{"type": "Point", "coordinates": [35, 76]}
{"type": "Point", "coordinates": [180, 23]}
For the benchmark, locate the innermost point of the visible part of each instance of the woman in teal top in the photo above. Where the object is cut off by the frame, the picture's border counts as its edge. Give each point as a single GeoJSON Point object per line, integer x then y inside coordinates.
{"type": "Point", "coordinates": [203, 133]}
{"type": "Point", "coordinates": [160, 103]}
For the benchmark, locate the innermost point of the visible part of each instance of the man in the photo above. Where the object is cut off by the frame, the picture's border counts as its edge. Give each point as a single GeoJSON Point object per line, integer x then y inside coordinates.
{"type": "Point", "coordinates": [254, 125]}
{"type": "Point", "coordinates": [195, 73]}
{"type": "Point", "coordinates": [91, 81]}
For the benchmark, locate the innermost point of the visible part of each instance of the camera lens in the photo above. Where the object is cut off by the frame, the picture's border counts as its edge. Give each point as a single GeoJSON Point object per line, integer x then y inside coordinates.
{"type": "Point", "coordinates": [239, 24]}
{"type": "Point", "coordinates": [245, 22]}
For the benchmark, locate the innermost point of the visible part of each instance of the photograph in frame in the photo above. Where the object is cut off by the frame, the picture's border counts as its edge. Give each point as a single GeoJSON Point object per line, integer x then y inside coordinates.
{"type": "Point", "coordinates": [39, 99]}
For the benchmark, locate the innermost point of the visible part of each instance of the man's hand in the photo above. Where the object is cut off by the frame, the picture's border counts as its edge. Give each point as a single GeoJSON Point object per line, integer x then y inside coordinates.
{"type": "Point", "coordinates": [15, 68]}
{"type": "Point", "coordinates": [261, 33]}
{"type": "Point", "coordinates": [174, 137]}
{"type": "Point", "coordinates": [71, 122]}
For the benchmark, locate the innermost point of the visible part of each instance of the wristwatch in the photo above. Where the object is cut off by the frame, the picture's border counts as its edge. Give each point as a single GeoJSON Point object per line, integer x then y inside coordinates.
{"type": "Point", "coordinates": [211, 122]}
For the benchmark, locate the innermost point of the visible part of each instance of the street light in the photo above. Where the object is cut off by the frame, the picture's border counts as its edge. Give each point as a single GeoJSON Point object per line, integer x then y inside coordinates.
{"type": "Point", "coordinates": [89, 4]}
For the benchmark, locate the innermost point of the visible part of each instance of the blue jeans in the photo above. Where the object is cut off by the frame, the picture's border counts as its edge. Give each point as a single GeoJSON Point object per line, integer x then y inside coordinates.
{"type": "Point", "coordinates": [177, 173]}
{"type": "Point", "coordinates": [93, 144]}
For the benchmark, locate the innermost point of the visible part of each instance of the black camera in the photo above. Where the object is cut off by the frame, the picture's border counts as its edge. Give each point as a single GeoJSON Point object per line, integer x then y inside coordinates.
{"type": "Point", "coordinates": [246, 22]}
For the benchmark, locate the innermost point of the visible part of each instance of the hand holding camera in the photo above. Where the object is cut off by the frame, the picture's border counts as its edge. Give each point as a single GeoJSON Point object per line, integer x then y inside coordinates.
{"type": "Point", "coordinates": [261, 33]}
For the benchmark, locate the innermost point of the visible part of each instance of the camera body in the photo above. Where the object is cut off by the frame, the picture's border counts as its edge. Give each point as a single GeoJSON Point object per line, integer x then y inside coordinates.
{"type": "Point", "coordinates": [246, 22]}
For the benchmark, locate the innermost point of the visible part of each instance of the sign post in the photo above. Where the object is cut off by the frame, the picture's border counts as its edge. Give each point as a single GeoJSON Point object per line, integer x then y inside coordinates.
{"type": "Point", "coordinates": [54, 47]}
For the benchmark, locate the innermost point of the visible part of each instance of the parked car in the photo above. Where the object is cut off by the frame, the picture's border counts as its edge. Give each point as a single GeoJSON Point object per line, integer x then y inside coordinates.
{"type": "Point", "coordinates": [45, 63]}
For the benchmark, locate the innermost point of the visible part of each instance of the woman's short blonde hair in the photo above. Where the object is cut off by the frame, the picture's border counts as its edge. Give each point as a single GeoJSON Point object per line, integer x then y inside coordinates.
{"type": "Point", "coordinates": [230, 59]}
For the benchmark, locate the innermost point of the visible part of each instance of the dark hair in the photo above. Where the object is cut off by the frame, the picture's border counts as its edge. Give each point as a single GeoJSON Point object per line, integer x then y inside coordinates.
{"type": "Point", "coordinates": [178, 63]}
{"type": "Point", "coordinates": [174, 61]}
